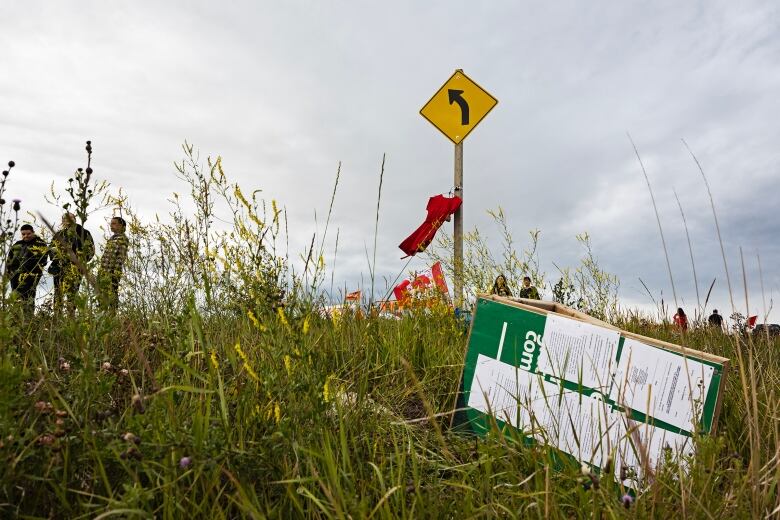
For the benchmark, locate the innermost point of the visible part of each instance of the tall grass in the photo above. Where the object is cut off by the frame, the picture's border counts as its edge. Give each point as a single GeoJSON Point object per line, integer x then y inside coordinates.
{"type": "Point", "coordinates": [205, 397]}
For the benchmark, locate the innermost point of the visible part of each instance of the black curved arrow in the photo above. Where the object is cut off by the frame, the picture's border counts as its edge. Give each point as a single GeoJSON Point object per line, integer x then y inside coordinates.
{"type": "Point", "coordinates": [455, 97]}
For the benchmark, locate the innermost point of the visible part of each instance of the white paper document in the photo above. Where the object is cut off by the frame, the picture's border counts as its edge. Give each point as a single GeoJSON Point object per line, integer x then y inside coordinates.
{"type": "Point", "coordinates": [498, 388]}
{"type": "Point", "coordinates": [653, 443]}
{"type": "Point", "coordinates": [661, 384]}
{"type": "Point", "coordinates": [578, 352]}
{"type": "Point", "coordinates": [582, 426]}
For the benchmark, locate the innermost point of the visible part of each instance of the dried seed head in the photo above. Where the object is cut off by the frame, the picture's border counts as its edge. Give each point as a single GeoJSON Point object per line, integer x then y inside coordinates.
{"type": "Point", "coordinates": [138, 403]}
{"type": "Point", "coordinates": [43, 406]}
{"type": "Point", "coordinates": [131, 453]}
{"type": "Point", "coordinates": [131, 438]}
{"type": "Point", "coordinates": [124, 372]}
{"type": "Point", "coordinates": [608, 465]}
{"type": "Point", "coordinates": [46, 440]}
{"type": "Point", "coordinates": [11, 164]}
{"type": "Point", "coordinates": [106, 367]}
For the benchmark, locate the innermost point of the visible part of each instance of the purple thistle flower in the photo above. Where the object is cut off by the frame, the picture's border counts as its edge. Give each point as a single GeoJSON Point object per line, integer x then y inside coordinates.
{"type": "Point", "coordinates": [627, 500]}
{"type": "Point", "coordinates": [185, 462]}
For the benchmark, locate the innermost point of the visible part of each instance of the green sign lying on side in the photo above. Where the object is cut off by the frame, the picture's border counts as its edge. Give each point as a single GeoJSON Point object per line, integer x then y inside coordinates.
{"type": "Point", "coordinates": [585, 387]}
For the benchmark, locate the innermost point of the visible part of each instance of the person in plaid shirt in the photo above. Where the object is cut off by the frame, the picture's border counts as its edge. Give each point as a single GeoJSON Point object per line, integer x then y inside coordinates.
{"type": "Point", "coordinates": [111, 264]}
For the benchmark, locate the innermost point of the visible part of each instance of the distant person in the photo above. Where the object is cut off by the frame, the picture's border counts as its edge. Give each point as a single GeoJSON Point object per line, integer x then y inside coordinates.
{"type": "Point", "coordinates": [500, 288]}
{"type": "Point", "coordinates": [528, 290]}
{"type": "Point", "coordinates": [24, 266]}
{"type": "Point", "coordinates": [715, 320]}
{"type": "Point", "coordinates": [112, 264]}
{"type": "Point", "coordinates": [681, 320]}
{"type": "Point", "coordinates": [72, 240]}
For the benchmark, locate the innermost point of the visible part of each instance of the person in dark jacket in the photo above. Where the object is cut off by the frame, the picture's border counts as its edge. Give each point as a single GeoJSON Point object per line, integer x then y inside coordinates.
{"type": "Point", "coordinates": [500, 288]}
{"type": "Point", "coordinates": [72, 242]}
{"type": "Point", "coordinates": [716, 320]}
{"type": "Point", "coordinates": [24, 266]}
{"type": "Point", "coordinates": [112, 263]}
{"type": "Point", "coordinates": [528, 290]}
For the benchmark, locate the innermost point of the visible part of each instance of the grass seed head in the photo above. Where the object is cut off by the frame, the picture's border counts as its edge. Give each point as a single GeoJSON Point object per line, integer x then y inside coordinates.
{"type": "Point", "coordinates": [138, 403]}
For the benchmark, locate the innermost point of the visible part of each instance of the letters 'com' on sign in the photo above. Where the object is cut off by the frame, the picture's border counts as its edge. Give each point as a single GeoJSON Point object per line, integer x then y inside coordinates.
{"type": "Point", "coordinates": [458, 107]}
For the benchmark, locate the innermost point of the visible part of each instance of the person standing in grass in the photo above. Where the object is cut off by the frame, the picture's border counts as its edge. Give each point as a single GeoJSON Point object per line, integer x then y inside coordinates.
{"type": "Point", "coordinates": [528, 290]}
{"type": "Point", "coordinates": [715, 320]}
{"type": "Point", "coordinates": [24, 266]}
{"type": "Point", "coordinates": [71, 242]}
{"type": "Point", "coordinates": [500, 288]}
{"type": "Point", "coordinates": [112, 263]}
{"type": "Point", "coordinates": [681, 320]}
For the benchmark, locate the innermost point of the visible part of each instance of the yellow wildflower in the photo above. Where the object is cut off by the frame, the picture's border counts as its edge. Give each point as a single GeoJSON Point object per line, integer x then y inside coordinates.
{"type": "Point", "coordinates": [327, 394]}
{"type": "Point", "coordinates": [306, 325]}
{"type": "Point", "coordinates": [214, 361]}
{"type": "Point", "coordinates": [255, 321]}
{"type": "Point", "coordinates": [288, 364]}
{"type": "Point", "coordinates": [252, 318]}
{"type": "Point", "coordinates": [247, 366]}
{"type": "Point", "coordinates": [277, 412]}
{"type": "Point", "coordinates": [280, 313]}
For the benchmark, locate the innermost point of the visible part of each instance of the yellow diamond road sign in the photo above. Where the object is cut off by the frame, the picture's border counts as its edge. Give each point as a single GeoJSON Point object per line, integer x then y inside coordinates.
{"type": "Point", "coordinates": [458, 106]}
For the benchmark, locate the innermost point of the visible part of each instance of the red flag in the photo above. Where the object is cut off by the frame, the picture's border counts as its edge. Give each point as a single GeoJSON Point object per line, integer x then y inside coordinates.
{"type": "Point", "coordinates": [439, 209]}
{"type": "Point", "coordinates": [438, 278]}
{"type": "Point", "coordinates": [401, 291]}
{"type": "Point", "coordinates": [353, 297]}
{"type": "Point", "coordinates": [423, 281]}
{"type": "Point", "coordinates": [751, 321]}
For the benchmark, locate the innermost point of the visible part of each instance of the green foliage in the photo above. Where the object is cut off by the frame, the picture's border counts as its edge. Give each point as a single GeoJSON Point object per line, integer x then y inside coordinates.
{"type": "Point", "coordinates": [588, 288]}
{"type": "Point", "coordinates": [205, 398]}
{"type": "Point", "coordinates": [480, 265]}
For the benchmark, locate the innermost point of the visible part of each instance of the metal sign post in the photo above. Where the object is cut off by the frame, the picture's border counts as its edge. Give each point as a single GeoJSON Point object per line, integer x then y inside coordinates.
{"type": "Point", "coordinates": [456, 109]}
{"type": "Point", "coordinates": [458, 227]}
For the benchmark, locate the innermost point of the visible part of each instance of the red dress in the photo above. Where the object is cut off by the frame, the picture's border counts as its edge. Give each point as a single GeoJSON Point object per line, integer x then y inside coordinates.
{"type": "Point", "coordinates": [439, 209]}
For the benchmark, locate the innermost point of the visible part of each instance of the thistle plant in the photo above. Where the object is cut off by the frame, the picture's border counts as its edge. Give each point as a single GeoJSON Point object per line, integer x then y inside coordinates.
{"type": "Point", "coordinates": [9, 219]}
{"type": "Point", "coordinates": [82, 190]}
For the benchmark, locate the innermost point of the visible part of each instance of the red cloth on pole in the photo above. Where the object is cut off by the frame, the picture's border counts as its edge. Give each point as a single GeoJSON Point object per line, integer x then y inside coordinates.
{"type": "Point", "coordinates": [439, 209]}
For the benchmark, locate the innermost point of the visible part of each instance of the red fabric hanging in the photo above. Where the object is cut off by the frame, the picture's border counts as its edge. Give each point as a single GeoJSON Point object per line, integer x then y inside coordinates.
{"type": "Point", "coordinates": [439, 209]}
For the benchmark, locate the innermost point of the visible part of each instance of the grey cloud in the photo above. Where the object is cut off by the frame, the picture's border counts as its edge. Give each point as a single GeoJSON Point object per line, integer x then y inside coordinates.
{"type": "Point", "coordinates": [285, 91]}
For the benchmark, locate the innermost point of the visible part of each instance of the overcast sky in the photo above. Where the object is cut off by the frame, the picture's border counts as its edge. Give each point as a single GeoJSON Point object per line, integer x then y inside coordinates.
{"type": "Point", "coordinates": [283, 91]}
